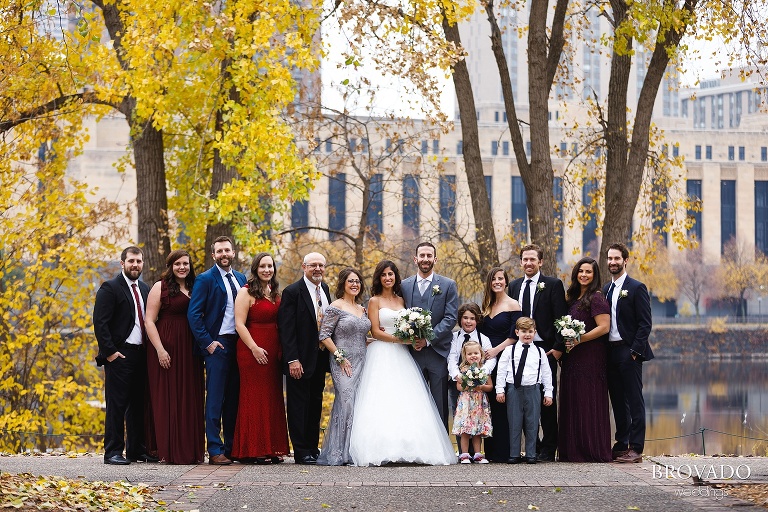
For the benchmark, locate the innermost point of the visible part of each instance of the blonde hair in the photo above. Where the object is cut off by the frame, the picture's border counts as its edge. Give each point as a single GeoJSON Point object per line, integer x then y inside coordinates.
{"type": "Point", "coordinates": [526, 323]}
{"type": "Point", "coordinates": [471, 343]}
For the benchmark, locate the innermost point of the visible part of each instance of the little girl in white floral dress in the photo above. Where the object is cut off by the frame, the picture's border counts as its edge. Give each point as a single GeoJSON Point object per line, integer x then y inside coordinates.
{"type": "Point", "coordinates": [472, 419]}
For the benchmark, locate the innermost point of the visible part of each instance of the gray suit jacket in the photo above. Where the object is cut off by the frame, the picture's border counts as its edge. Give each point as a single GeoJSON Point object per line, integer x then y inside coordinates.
{"type": "Point", "coordinates": [443, 306]}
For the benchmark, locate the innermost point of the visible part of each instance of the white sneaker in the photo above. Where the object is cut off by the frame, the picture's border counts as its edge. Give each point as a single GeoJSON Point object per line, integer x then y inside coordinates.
{"type": "Point", "coordinates": [464, 458]}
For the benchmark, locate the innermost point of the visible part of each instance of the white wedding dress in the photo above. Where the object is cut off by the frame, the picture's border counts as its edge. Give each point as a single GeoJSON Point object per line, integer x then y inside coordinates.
{"type": "Point", "coordinates": [395, 418]}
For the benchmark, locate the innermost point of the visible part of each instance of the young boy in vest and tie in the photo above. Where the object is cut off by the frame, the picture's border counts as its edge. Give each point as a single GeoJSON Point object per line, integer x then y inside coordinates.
{"type": "Point", "coordinates": [522, 370]}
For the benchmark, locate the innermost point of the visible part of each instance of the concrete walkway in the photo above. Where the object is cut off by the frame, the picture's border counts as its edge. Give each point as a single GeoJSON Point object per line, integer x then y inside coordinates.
{"type": "Point", "coordinates": [646, 486]}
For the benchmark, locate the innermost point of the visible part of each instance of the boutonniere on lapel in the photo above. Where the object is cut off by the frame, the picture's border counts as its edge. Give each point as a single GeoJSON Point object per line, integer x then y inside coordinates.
{"type": "Point", "coordinates": [623, 294]}
{"type": "Point", "coordinates": [436, 290]}
{"type": "Point", "coordinates": [540, 287]}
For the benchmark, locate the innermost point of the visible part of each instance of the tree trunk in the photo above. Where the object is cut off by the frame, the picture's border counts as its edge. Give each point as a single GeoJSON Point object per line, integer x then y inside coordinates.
{"type": "Point", "coordinates": [485, 235]}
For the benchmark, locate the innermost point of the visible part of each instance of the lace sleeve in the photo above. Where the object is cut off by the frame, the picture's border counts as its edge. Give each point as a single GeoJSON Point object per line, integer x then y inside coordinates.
{"type": "Point", "coordinates": [330, 319]}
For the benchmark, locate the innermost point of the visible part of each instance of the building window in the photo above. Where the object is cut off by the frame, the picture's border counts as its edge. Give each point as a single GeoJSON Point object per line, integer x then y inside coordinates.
{"type": "Point", "coordinates": [742, 153]}
{"type": "Point", "coordinates": [764, 154]}
{"type": "Point", "coordinates": [374, 217]}
{"type": "Point", "coordinates": [698, 152]}
{"type": "Point", "coordinates": [519, 208]}
{"type": "Point", "coordinates": [435, 146]}
{"type": "Point", "coordinates": [693, 190]}
{"type": "Point", "coordinates": [563, 149]}
{"type": "Point", "coordinates": [761, 216]}
{"type": "Point", "coordinates": [410, 206]}
{"type": "Point", "coordinates": [424, 147]}
{"type": "Point", "coordinates": [731, 153]}
{"type": "Point", "coordinates": [352, 145]}
{"type": "Point", "coordinates": [318, 143]}
{"type": "Point", "coordinates": [496, 116]}
{"type": "Point", "coordinates": [708, 152]}
{"type": "Point", "coordinates": [589, 235]}
{"type": "Point", "coordinates": [505, 148]}
{"type": "Point", "coordinates": [489, 189]}
{"type": "Point", "coordinates": [684, 108]}
{"type": "Point", "coordinates": [364, 144]}
{"type": "Point", "coordinates": [447, 206]}
{"type": "Point", "coordinates": [557, 197]}
{"type": "Point", "coordinates": [460, 147]}
{"type": "Point", "coordinates": [659, 211]}
{"type": "Point", "coordinates": [299, 217]}
{"type": "Point", "coordinates": [727, 212]}
{"type": "Point", "coordinates": [328, 146]}
{"type": "Point", "coordinates": [494, 147]}
{"type": "Point", "coordinates": [337, 204]}
{"type": "Point", "coordinates": [527, 148]}
{"type": "Point", "coordinates": [676, 151]}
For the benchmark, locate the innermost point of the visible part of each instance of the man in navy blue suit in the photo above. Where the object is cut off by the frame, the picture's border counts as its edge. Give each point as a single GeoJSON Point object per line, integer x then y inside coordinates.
{"type": "Point", "coordinates": [628, 341]}
{"type": "Point", "coordinates": [211, 316]}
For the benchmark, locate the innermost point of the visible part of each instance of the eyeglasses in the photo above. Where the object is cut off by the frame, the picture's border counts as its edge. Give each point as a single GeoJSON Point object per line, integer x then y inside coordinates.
{"type": "Point", "coordinates": [353, 281]}
{"type": "Point", "coordinates": [315, 265]}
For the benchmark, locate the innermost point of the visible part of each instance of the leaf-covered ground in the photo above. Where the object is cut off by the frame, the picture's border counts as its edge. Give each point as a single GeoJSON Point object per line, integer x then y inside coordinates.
{"type": "Point", "coordinates": [26, 491]}
{"type": "Point", "coordinates": [756, 493]}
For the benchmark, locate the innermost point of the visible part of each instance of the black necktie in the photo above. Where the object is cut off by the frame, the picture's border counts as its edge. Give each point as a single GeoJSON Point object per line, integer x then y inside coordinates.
{"type": "Point", "coordinates": [610, 293]}
{"type": "Point", "coordinates": [527, 298]}
{"type": "Point", "coordinates": [519, 372]}
{"type": "Point", "coordinates": [466, 338]}
{"type": "Point", "coordinates": [232, 289]}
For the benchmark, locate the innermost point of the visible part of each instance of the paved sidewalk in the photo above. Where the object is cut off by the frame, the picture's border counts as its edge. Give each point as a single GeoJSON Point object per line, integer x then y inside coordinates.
{"type": "Point", "coordinates": [553, 486]}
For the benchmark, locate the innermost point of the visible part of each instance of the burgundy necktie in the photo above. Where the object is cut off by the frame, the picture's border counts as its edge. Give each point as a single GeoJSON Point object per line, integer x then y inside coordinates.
{"type": "Point", "coordinates": [138, 308]}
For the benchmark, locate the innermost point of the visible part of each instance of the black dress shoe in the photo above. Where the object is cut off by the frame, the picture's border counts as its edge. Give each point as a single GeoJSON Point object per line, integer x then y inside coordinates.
{"type": "Point", "coordinates": [144, 457]}
{"type": "Point", "coordinates": [546, 457]}
{"type": "Point", "coordinates": [117, 460]}
{"type": "Point", "coordinates": [307, 460]}
{"type": "Point", "coordinates": [514, 460]}
{"type": "Point", "coordinates": [530, 460]}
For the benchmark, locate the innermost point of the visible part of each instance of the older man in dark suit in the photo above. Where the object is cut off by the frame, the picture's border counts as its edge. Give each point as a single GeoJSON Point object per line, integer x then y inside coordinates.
{"type": "Point", "coordinates": [306, 363]}
{"type": "Point", "coordinates": [628, 341]}
{"type": "Point", "coordinates": [543, 299]}
{"type": "Point", "coordinates": [118, 323]}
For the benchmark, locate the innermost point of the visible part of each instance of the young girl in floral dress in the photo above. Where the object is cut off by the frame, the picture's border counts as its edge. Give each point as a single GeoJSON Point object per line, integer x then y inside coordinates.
{"type": "Point", "coordinates": [472, 419]}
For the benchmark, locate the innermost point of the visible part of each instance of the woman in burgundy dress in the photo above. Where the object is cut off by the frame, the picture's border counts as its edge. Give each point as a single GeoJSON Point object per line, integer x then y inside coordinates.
{"type": "Point", "coordinates": [261, 433]}
{"type": "Point", "coordinates": [585, 427]}
{"type": "Point", "coordinates": [500, 312]}
{"type": "Point", "coordinates": [176, 387]}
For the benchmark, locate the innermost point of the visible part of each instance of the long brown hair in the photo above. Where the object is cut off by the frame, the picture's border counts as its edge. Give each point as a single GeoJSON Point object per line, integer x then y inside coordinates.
{"type": "Point", "coordinates": [254, 283]}
{"type": "Point", "coordinates": [377, 287]}
{"type": "Point", "coordinates": [170, 279]}
{"type": "Point", "coordinates": [489, 298]}
{"type": "Point", "coordinates": [342, 281]}
{"type": "Point", "coordinates": [574, 289]}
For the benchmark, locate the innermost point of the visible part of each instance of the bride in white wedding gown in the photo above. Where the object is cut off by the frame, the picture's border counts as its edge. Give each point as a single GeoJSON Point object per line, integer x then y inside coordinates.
{"type": "Point", "coordinates": [395, 418]}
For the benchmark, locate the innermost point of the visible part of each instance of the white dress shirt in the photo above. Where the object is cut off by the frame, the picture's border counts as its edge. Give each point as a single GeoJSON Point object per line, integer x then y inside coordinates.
{"type": "Point", "coordinates": [534, 284]}
{"type": "Point", "coordinates": [613, 334]}
{"type": "Point", "coordinates": [135, 338]}
{"type": "Point", "coordinates": [228, 323]}
{"type": "Point", "coordinates": [312, 289]}
{"type": "Point", "coordinates": [534, 361]}
{"type": "Point", "coordinates": [455, 354]}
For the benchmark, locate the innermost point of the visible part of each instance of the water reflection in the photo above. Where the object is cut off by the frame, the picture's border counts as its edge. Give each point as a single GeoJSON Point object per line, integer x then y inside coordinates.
{"type": "Point", "coordinates": [682, 397]}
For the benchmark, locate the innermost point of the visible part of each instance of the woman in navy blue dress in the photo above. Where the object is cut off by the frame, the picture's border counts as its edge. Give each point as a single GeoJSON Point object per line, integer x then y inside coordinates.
{"type": "Point", "coordinates": [500, 312]}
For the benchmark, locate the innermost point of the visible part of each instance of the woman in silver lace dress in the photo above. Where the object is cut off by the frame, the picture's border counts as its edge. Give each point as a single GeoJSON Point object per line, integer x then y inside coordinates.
{"type": "Point", "coordinates": [343, 332]}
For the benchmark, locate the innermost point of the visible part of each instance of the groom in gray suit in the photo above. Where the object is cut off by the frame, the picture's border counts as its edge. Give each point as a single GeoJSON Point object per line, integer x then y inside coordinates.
{"type": "Point", "coordinates": [437, 294]}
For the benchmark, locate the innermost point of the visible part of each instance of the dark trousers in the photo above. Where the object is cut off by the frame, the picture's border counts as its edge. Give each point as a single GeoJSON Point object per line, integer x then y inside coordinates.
{"type": "Point", "coordinates": [305, 407]}
{"type": "Point", "coordinates": [523, 412]}
{"type": "Point", "coordinates": [497, 446]}
{"type": "Point", "coordinates": [625, 387]}
{"type": "Point", "coordinates": [434, 368]}
{"type": "Point", "coordinates": [547, 445]}
{"type": "Point", "coordinates": [222, 390]}
{"type": "Point", "coordinates": [125, 381]}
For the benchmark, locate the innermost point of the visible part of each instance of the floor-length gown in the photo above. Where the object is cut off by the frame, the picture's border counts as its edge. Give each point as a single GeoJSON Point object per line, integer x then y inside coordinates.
{"type": "Point", "coordinates": [177, 393]}
{"type": "Point", "coordinates": [498, 329]}
{"type": "Point", "coordinates": [396, 419]}
{"type": "Point", "coordinates": [349, 333]}
{"type": "Point", "coordinates": [260, 430]}
{"type": "Point", "coordinates": [584, 424]}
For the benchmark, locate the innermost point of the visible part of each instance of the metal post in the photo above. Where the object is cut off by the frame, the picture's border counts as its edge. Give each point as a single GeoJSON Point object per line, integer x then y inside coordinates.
{"type": "Point", "coordinates": [703, 447]}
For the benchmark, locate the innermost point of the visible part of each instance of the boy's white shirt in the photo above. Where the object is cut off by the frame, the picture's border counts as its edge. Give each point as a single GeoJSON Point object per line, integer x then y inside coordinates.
{"type": "Point", "coordinates": [455, 354]}
{"type": "Point", "coordinates": [505, 374]}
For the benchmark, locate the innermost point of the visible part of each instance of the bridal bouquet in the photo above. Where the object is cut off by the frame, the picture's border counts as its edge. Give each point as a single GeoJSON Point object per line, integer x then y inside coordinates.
{"type": "Point", "coordinates": [473, 376]}
{"type": "Point", "coordinates": [570, 328]}
{"type": "Point", "coordinates": [414, 323]}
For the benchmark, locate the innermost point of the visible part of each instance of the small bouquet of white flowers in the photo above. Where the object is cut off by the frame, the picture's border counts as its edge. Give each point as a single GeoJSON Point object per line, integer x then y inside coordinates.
{"type": "Point", "coordinates": [473, 376]}
{"type": "Point", "coordinates": [570, 328]}
{"type": "Point", "coordinates": [414, 323]}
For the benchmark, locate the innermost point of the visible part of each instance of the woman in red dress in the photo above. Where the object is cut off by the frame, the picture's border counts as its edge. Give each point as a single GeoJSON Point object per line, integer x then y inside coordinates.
{"type": "Point", "coordinates": [176, 386]}
{"type": "Point", "coordinates": [261, 433]}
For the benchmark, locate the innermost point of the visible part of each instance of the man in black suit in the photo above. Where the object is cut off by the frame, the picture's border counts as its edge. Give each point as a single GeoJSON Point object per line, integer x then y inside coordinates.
{"type": "Point", "coordinates": [306, 363]}
{"type": "Point", "coordinates": [628, 341]}
{"type": "Point", "coordinates": [543, 299]}
{"type": "Point", "coordinates": [118, 323]}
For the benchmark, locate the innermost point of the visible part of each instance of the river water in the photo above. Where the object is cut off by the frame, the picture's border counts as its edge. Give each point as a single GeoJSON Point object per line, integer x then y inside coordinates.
{"type": "Point", "coordinates": [729, 399]}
